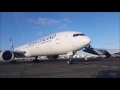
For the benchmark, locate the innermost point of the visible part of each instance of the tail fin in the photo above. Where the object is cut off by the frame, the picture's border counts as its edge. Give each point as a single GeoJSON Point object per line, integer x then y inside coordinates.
{"type": "Point", "coordinates": [11, 45]}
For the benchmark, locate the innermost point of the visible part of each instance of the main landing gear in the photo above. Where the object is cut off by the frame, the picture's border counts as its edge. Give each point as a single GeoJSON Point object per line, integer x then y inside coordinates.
{"type": "Point", "coordinates": [36, 59]}
{"type": "Point", "coordinates": [13, 60]}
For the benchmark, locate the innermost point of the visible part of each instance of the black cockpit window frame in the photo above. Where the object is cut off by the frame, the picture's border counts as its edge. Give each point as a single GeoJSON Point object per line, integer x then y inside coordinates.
{"type": "Point", "coordinates": [80, 34]}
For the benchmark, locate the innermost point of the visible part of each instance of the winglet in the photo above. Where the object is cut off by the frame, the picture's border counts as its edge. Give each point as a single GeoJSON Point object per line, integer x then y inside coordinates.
{"type": "Point", "coordinates": [11, 45]}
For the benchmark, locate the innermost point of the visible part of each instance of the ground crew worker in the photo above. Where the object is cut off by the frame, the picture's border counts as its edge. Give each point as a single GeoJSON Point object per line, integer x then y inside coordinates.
{"type": "Point", "coordinates": [86, 60]}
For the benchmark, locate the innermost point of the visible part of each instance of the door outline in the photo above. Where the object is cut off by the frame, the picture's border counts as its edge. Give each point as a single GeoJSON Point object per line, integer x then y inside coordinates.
{"type": "Point", "coordinates": [57, 40]}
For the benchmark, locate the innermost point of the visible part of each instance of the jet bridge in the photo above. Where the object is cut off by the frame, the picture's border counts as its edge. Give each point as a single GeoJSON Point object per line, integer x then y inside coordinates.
{"type": "Point", "coordinates": [96, 51]}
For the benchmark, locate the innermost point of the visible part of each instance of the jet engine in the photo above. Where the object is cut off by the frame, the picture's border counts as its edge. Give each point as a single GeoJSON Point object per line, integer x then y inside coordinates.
{"type": "Point", "coordinates": [6, 55]}
{"type": "Point", "coordinates": [53, 57]}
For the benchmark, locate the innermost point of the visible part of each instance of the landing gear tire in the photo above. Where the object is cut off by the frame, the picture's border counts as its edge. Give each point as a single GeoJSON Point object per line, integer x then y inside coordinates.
{"type": "Point", "coordinates": [35, 60]}
{"type": "Point", "coordinates": [69, 62]}
{"type": "Point", "coordinates": [13, 61]}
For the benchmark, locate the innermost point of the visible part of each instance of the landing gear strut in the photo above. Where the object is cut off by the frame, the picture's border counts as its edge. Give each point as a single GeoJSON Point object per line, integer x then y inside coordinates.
{"type": "Point", "coordinates": [70, 60]}
{"type": "Point", "coordinates": [70, 55]}
{"type": "Point", "coordinates": [36, 59]}
{"type": "Point", "coordinates": [13, 61]}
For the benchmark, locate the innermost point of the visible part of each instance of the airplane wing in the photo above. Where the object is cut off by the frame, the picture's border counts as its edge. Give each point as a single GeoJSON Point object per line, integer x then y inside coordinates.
{"type": "Point", "coordinates": [113, 51]}
{"type": "Point", "coordinates": [19, 53]}
{"type": "Point", "coordinates": [117, 52]}
{"type": "Point", "coordinates": [96, 51]}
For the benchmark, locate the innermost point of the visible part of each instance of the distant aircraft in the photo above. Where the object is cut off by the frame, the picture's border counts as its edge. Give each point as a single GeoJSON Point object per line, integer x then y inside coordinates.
{"type": "Point", "coordinates": [68, 42]}
{"type": "Point", "coordinates": [107, 52]}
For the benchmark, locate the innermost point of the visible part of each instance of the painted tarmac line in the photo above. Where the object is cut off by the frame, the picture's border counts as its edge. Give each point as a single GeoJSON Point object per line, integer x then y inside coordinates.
{"type": "Point", "coordinates": [114, 67]}
{"type": "Point", "coordinates": [93, 65]}
{"type": "Point", "coordinates": [104, 66]}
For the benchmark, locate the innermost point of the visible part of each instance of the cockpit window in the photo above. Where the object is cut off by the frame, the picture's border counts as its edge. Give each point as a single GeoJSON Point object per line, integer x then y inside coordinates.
{"type": "Point", "coordinates": [75, 35]}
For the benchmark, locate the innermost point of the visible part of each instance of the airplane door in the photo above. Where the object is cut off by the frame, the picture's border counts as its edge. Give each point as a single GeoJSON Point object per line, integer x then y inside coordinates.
{"type": "Point", "coordinates": [57, 40]}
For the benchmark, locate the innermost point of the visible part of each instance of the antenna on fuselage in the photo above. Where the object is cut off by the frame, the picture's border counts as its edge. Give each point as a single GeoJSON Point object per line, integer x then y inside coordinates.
{"type": "Point", "coordinates": [11, 45]}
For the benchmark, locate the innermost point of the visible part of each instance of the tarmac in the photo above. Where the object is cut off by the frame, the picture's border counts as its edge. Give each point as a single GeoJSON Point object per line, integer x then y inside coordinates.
{"type": "Point", "coordinates": [96, 68]}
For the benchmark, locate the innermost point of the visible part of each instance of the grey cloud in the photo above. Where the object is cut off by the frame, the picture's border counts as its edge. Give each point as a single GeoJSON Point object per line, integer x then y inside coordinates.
{"type": "Point", "coordinates": [67, 20]}
{"type": "Point", "coordinates": [44, 21]}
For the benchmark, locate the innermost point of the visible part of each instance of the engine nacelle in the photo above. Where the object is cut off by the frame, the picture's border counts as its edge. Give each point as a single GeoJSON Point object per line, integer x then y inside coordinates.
{"type": "Point", "coordinates": [6, 55]}
{"type": "Point", "coordinates": [53, 57]}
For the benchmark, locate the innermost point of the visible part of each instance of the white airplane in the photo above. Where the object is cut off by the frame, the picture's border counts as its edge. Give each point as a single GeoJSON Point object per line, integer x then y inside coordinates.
{"type": "Point", "coordinates": [68, 42]}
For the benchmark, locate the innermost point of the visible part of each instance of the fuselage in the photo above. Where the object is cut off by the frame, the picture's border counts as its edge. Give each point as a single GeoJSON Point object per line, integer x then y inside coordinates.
{"type": "Point", "coordinates": [56, 44]}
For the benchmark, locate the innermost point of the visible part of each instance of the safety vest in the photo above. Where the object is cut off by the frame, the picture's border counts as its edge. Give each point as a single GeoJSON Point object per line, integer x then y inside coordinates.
{"type": "Point", "coordinates": [86, 58]}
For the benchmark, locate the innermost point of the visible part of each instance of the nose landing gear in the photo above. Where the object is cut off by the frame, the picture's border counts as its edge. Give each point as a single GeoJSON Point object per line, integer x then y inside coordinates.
{"type": "Point", "coordinates": [70, 61]}
{"type": "Point", "coordinates": [70, 56]}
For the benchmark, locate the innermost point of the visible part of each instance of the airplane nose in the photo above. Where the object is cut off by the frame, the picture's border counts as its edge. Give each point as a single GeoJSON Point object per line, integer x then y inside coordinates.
{"type": "Point", "coordinates": [87, 40]}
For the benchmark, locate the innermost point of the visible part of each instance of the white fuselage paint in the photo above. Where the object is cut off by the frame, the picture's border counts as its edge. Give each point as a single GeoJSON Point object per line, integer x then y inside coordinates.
{"type": "Point", "coordinates": [55, 44]}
